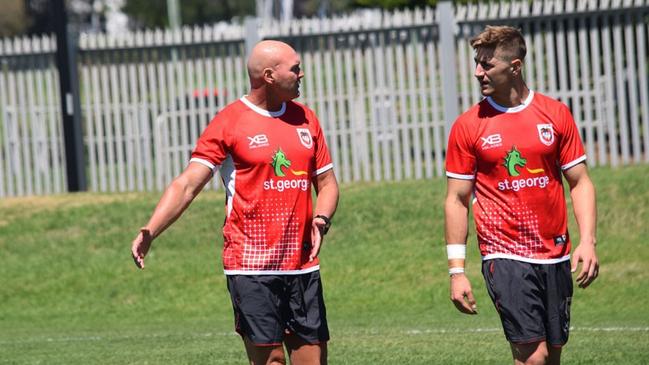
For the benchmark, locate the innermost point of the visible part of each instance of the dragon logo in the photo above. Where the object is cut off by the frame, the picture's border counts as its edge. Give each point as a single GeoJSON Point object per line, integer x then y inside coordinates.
{"type": "Point", "coordinates": [513, 160]}
{"type": "Point", "coordinates": [279, 161]}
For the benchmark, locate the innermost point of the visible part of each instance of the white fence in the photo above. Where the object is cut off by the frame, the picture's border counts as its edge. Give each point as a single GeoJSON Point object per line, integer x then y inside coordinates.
{"type": "Point", "coordinates": [379, 81]}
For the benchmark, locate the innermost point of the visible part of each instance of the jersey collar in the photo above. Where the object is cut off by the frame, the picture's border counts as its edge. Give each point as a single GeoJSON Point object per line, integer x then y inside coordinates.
{"type": "Point", "coordinates": [264, 112]}
{"type": "Point", "coordinates": [516, 109]}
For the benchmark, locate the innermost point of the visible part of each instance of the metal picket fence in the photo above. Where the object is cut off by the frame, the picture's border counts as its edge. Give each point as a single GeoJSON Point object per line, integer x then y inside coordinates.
{"type": "Point", "coordinates": [385, 86]}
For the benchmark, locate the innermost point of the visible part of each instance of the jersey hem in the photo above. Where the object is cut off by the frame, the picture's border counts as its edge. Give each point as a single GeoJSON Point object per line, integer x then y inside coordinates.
{"type": "Point", "coordinates": [203, 162]}
{"type": "Point", "coordinates": [460, 176]}
{"type": "Point", "coordinates": [573, 163]}
{"type": "Point", "coordinates": [323, 169]}
{"type": "Point", "coordinates": [525, 259]}
{"type": "Point", "coordinates": [272, 272]}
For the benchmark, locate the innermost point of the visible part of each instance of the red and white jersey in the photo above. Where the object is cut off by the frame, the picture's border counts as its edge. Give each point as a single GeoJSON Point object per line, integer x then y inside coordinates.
{"type": "Point", "coordinates": [266, 160]}
{"type": "Point", "coordinates": [516, 157]}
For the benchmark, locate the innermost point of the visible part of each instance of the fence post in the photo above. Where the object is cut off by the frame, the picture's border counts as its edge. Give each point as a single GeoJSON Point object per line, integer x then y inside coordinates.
{"type": "Point", "coordinates": [251, 26]}
{"type": "Point", "coordinates": [66, 61]}
{"type": "Point", "coordinates": [448, 62]}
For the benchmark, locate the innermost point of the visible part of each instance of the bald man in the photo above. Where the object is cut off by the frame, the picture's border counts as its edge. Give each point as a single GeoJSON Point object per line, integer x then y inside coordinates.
{"type": "Point", "coordinates": [270, 152]}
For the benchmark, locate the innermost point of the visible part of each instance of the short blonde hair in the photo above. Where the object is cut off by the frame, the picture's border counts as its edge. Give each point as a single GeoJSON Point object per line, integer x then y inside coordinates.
{"type": "Point", "coordinates": [508, 41]}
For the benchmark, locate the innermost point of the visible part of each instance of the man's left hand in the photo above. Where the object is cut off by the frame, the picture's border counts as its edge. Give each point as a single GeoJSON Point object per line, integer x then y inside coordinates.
{"type": "Point", "coordinates": [317, 228]}
{"type": "Point", "coordinates": [585, 253]}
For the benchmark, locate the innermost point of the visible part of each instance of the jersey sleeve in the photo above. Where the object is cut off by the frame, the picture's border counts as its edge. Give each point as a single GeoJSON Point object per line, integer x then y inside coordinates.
{"type": "Point", "coordinates": [571, 149]}
{"type": "Point", "coordinates": [322, 157]}
{"type": "Point", "coordinates": [211, 149]}
{"type": "Point", "coordinates": [460, 155]}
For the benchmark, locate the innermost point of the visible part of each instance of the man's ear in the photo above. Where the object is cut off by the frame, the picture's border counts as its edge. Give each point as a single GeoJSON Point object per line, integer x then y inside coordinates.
{"type": "Point", "coordinates": [516, 66]}
{"type": "Point", "coordinates": [268, 75]}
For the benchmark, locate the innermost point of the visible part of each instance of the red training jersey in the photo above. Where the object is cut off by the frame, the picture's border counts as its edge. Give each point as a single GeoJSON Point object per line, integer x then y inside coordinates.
{"type": "Point", "coordinates": [516, 157]}
{"type": "Point", "coordinates": [266, 160]}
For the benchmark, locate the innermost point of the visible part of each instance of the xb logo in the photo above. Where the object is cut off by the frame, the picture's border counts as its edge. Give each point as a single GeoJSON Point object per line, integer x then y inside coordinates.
{"type": "Point", "coordinates": [259, 140]}
{"type": "Point", "coordinates": [491, 141]}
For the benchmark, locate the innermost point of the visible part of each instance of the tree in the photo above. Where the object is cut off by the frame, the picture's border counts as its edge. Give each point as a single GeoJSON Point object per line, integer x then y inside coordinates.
{"type": "Point", "coordinates": [83, 14]}
{"type": "Point", "coordinates": [13, 18]}
{"type": "Point", "coordinates": [192, 12]}
{"type": "Point", "coordinates": [321, 8]}
{"type": "Point", "coordinates": [393, 4]}
{"type": "Point", "coordinates": [327, 7]}
{"type": "Point", "coordinates": [400, 4]}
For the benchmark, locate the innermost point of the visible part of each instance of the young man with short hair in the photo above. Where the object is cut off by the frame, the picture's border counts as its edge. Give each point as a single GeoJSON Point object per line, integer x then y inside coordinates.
{"type": "Point", "coordinates": [507, 155]}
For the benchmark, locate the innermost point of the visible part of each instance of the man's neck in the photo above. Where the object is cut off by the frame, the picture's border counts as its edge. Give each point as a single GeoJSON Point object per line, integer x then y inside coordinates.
{"type": "Point", "coordinates": [262, 100]}
{"type": "Point", "coordinates": [512, 97]}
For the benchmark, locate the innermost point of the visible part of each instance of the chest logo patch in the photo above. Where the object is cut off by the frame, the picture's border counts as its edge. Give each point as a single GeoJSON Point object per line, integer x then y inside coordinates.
{"type": "Point", "coordinates": [259, 140]}
{"type": "Point", "coordinates": [280, 161]}
{"type": "Point", "coordinates": [305, 137]}
{"type": "Point", "coordinates": [546, 134]}
{"type": "Point", "coordinates": [514, 159]}
{"type": "Point", "coordinates": [491, 141]}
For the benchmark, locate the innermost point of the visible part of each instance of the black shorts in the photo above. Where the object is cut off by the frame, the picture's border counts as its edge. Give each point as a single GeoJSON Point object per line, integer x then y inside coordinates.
{"type": "Point", "coordinates": [266, 307]}
{"type": "Point", "coordinates": [533, 300]}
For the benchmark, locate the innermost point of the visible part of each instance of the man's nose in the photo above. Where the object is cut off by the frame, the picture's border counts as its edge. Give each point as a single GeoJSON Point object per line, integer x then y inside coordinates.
{"type": "Point", "coordinates": [479, 71]}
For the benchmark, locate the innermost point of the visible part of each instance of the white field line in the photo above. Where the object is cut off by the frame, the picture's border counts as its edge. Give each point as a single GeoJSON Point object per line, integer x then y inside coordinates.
{"type": "Point", "coordinates": [480, 330]}
{"type": "Point", "coordinates": [412, 332]}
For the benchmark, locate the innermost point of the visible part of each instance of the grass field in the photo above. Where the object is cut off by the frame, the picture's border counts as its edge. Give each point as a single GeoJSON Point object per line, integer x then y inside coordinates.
{"type": "Point", "coordinates": [70, 293]}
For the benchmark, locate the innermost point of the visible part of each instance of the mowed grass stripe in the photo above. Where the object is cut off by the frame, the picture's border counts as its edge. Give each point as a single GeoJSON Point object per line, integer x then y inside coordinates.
{"type": "Point", "coordinates": [70, 293]}
{"type": "Point", "coordinates": [413, 332]}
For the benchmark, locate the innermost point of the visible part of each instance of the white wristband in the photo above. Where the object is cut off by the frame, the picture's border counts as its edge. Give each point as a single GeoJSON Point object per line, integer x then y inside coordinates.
{"type": "Point", "coordinates": [456, 251]}
{"type": "Point", "coordinates": [456, 270]}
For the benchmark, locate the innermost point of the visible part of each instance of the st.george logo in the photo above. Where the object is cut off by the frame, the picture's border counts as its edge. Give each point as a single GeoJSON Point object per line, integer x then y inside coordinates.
{"type": "Point", "coordinates": [281, 167]}
{"type": "Point", "coordinates": [305, 137]}
{"type": "Point", "coordinates": [514, 161]}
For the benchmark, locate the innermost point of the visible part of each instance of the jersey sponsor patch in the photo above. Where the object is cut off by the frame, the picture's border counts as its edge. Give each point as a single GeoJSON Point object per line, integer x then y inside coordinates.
{"type": "Point", "coordinates": [259, 140]}
{"type": "Point", "coordinates": [305, 137]}
{"type": "Point", "coordinates": [491, 141]}
{"type": "Point", "coordinates": [546, 134]}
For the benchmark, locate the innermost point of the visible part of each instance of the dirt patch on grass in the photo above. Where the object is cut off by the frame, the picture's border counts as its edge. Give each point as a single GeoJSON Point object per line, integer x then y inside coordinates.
{"type": "Point", "coordinates": [15, 208]}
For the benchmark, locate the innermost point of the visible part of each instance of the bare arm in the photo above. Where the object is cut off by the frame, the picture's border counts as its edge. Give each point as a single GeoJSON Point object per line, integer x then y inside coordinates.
{"type": "Point", "coordinates": [176, 198]}
{"type": "Point", "coordinates": [582, 193]}
{"type": "Point", "coordinates": [456, 210]}
{"type": "Point", "coordinates": [326, 188]}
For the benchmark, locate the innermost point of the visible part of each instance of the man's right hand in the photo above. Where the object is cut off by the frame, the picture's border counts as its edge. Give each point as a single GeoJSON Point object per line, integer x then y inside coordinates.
{"type": "Point", "coordinates": [140, 247]}
{"type": "Point", "coordinates": [462, 295]}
